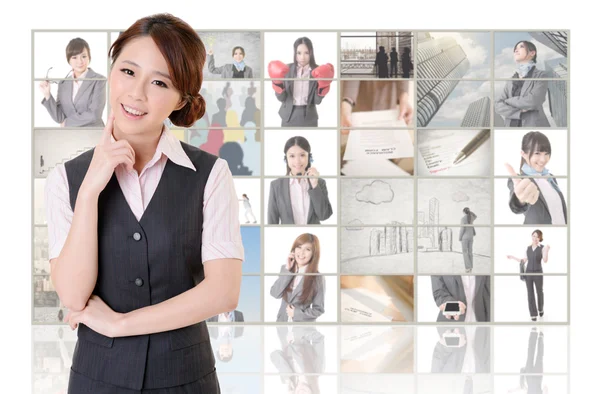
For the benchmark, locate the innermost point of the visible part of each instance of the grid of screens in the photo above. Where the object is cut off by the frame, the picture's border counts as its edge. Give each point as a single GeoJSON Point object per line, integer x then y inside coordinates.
{"type": "Point", "coordinates": [437, 164]}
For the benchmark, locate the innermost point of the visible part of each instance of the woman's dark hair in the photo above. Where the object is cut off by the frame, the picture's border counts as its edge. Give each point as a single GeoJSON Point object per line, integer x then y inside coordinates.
{"type": "Point", "coordinates": [539, 234]}
{"type": "Point", "coordinates": [244, 195]}
{"type": "Point", "coordinates": [299, 141]}
{"type": "Point", "coordinates": [76, 46]}
{"type": "Point", "coordinates": [530, 47]}
{"type": "Point", "coordinates": [406, 50]}
{"type": "Point", "coordinates": [306, 41]}
{"type": "Point", "coordinates": [184, 53]}
{"type": "Point", "coordinates": [309, 281]}
{"type": "Point", "coordinates": [535, 141]}
{"type": "Point", "coordinates": [241, 50]}
{"type": "Point", "coordinates": [467, 212]}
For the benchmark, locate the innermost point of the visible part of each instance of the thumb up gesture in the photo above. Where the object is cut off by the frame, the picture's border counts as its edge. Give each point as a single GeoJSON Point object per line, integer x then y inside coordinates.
{"type": "Point", "coordinates": [526, 191]}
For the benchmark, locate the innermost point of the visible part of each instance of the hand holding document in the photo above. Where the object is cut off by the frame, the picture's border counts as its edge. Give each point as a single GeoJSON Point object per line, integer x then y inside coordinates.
{"type": "Point", "coordinates": [385, 118]}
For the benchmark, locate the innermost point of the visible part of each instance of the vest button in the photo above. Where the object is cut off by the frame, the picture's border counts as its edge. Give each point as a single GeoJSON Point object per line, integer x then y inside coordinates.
{"type": "Point", "coordinates": [137, 236]}
{"type": "Point", "coordinates": [139, 282]}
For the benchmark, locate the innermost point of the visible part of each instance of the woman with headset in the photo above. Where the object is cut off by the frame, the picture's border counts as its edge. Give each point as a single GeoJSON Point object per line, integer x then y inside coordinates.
{"type": "Point", "coordinates": [302, 296]}
{"type": "Point", "coordinates": [78, 103]}
{"type": "Point", "coordinates": [521, 101]}
{"type": "Point", "coordinates": [299, 98]}
{"type": "Point", "coordinates": [539, 199]}
{"type": "Point", "coordinates": [237, 69]}
{"type": "Point", "coordinates": [302, 198]}
{"type": "Point", "coordinates": [534, 254]}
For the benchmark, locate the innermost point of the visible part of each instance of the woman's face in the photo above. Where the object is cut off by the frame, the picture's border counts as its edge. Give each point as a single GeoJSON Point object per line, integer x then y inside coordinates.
{"type": "Point", "coordinates": [537, 161]}
{"type": "Point", "coordinates": [535, 239]}
{"type": "Point", "coordinates": [302, 55]}
{"type": "Point", "coordinates": [303, 254]}
{"type": "Point", "coordinates": [79, 63]}
{"type": "Point", "coordinates": [521, 53]}
{"type": "Point", "coordinates": [238, 56]}
{"type": "Point", "coordinates": [141, 92]}
{"type": "Point", "coordinates": [297, 159]}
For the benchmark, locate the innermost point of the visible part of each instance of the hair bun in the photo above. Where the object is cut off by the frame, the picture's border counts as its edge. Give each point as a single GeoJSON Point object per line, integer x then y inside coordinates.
{"type": "Point", "coordinates": [193, 110]}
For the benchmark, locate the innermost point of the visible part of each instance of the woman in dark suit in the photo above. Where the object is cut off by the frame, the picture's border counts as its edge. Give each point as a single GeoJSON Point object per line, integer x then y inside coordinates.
{"type": "Point", "coordinates": [534, 254]}
{"type": "Point", "coordinates": [302, 296]}
{"type": "Point", "coordinates": [237, 69]}
{"type": "Point", "coordinates": [539, 199]}
{"type": "Point", "coordinates": [78, 103]}
{"type": "Point", "coordinates": [466, 238]}
{"type": "Point", "coordinates": [299, 98]}
{"type": "Point", "coordinates": [298, 200]}
{"type": "Point", "coordinates": [521, 101]}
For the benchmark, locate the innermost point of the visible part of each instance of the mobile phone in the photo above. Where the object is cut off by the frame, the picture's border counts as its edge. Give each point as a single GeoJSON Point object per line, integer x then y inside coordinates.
{"type": "Point", "coordinates": [451, 339]}
{"type": "Point", "coordinates": [452, 308]}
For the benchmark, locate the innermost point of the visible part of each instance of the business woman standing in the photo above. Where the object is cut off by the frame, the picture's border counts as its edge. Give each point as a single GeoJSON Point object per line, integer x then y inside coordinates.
{"type": "Point", "coordinates": [521, 101]}
{"type": "Point", "coordinates": [539, 199]}
{"type": "Point", "coordinates": [299, 98]}
{"type": "Point", "coordinates": [302, 296]}
{"type": "Point", "coordinates": [78, 103]}
{"type": "Point", "coordinates": [298, 200]}
{"type": "Point", "coordinates": [466, 237]}
{"type": "Point", "coordinates": [237, 69]}
{"type": "Point", "coordinates": [112, 216]}
{"type": "Point", "coordinates": [534, 254]}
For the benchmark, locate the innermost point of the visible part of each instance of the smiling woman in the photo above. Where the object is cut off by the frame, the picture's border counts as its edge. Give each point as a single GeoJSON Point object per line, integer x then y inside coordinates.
{"type": "Point", "coordinates": [111, 216]}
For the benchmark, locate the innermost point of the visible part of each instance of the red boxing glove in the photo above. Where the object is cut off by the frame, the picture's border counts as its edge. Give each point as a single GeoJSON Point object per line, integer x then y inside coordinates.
{"type": "Point", "coordinates": [277, 70]}
{"type": "Point", "coordinates": [323, 71]}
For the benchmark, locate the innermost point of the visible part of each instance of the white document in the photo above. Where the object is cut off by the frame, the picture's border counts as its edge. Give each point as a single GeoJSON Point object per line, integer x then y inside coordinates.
{"type": "Point", "coordinates": [372, 167]}
{"type": "Point", "coordinates": [378, 144]}
{"type": "Point", "coordinates": [385, 118]}
{"type": "Point", "coordinates": [363, 305]}
{"type": "Point", "coordinates": [437, 154]}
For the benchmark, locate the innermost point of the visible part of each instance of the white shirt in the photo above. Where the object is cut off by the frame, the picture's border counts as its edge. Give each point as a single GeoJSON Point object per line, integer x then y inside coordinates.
{"type": "Point", "coordinates": [468, 282]}
{"type": "Point", "coordinates": [300, 199]}
{"type": "Point", "coordinates": [226, 317]}
{"type": "Point", "coordinates": [552, 200]}
{"type": "Point", "coordinates": [77, 83]}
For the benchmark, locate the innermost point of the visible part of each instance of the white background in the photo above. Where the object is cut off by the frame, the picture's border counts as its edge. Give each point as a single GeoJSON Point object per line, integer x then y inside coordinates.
{"type": "Point", "coordinates": [250, 187]}
{"type": "Point", "coordinates": [330, 315]}
{"type": "Point", "coordinates": [320, 142]}
{"type": "Point", "coordinates": [279, 241]}
{"type": "Point", "coordinates": [51, 51]}
{"type": "Point", "coordinates": [514, 241]}
{"type": "Point", "coordinates": [509, 338]}
{"type": "Point", "coordinates": [330, 346]}
{"type": "Point", "coordinates": [453, 384]}
{"type": "Point", "coordinates": [507, 149]}
{"type": "Point", "coordinates": [280, 46]}
{"type": "Point", "coordinates": [502, 212]}
{"type": "Point", "coordinates": [327, 110]}
{"type": "Point", "coordinates": [16, 235]}
{"type": "Point", "coordinates": [332, 193]}
{"type": "Point", "coordinates": [506, 384]}
{"type": "Point", "coordinates": [511, 305]}
{"type": "Point", "coordinates": [377, 383]}
{"type": "Point", "coordinates": [273, 384]}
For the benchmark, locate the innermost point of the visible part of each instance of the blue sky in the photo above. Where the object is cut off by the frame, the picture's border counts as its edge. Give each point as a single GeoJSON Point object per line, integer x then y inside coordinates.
{"type": "Point", "coordinates": [251, 241]}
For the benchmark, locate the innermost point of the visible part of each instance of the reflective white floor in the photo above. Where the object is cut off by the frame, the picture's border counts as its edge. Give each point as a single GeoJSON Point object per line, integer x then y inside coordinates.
{"type": "Point", "coordinates": [358, 359]}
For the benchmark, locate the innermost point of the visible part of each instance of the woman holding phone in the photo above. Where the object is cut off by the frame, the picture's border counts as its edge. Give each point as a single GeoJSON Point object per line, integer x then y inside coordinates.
{"type": "Point", "coordinates": [534, 255]}
{"type": "Point", "coordinates": [141, 199]}
{"type": "Point", "coordinates": [302, 296]}
{"type": "Point", "coordinates": [298, 200]}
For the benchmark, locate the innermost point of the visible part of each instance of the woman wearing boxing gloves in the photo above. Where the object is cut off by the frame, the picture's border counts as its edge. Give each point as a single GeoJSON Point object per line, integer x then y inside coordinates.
{"type": "Point", "coordinates": [540, 200]}
{"type": "Point", "coordinates": [299, 99]}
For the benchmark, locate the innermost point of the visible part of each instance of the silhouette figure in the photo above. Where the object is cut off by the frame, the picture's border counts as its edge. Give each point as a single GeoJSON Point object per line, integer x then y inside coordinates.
{"type": "Point", "coordinates": [394, 63]}
{"type": "Point", "coordinates": [407, 64]}
{"type": "Point", "coordinates": [381, 62]}
{"type": "Point", "coordinates": [234, 155]}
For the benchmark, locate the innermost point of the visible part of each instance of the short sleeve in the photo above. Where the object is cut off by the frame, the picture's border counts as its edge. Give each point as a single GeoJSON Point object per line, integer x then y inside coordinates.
{"type": "Point", "coordinates": [221, 235]}
{"type": "Point", "coordinates": [58, 210]}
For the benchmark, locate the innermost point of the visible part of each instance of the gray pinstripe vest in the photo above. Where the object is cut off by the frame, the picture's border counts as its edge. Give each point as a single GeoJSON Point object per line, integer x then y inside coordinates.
{"type": "Point", "coordinates": [145, 263]}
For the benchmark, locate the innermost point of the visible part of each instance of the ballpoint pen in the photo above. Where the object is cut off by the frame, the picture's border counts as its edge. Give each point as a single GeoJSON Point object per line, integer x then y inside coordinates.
{"type": "Point", "coordinates": [475, 143]}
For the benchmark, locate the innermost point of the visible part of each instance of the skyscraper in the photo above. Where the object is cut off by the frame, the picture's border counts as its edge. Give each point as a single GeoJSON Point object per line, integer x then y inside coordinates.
{"type": "Point", "coordinates": [557, 67]}
{"type": "Point", "coordinates": [434, 219]}
{"type": "Point", "coordinates": [478, 114]}
{"type": "Point", "coordinates": [437, 59]}
{"type": "Point", "coordinates": [555, 40]}
{"type": "Point", "coordinates": [557, 100]}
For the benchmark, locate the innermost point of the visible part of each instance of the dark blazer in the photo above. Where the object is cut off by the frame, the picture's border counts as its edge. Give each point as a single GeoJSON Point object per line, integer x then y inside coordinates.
{"type": "Point", "coordinates": [537, 213]}
{"type": "Point", "coordinates": [86, 110]}
{"type": "Point", "coordinates": [467, 233]}
{"type": "Point", "coordinates": [532, 97]}
{"type": "Point", "coordinates": [225, 70]}
{"type": "Point", "coordinates": [450, 288]}
{"type": "Point", "coordinates": [280, 204]}
{"type": "Point", "coordinates": [239, 316]}
{"type": "Point", "coordinates": [304, 312]}
{"type": "Point", "coordinates": [287, 96]}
